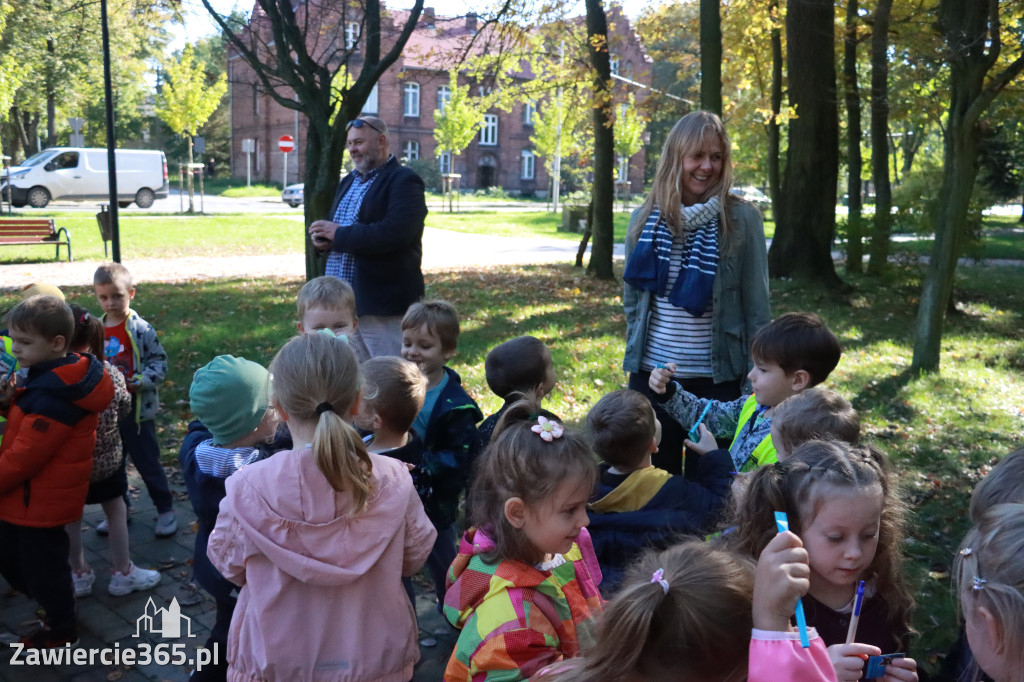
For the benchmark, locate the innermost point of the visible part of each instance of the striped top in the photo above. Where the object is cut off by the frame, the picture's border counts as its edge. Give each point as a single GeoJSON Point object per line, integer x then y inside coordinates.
{"type": "Point", "coordinates": [674, 335]}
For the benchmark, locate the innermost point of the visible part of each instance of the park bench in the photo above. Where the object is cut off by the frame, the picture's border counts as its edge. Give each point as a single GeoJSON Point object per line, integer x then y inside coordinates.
{"type": "Point", "coordinates": [26, 231]}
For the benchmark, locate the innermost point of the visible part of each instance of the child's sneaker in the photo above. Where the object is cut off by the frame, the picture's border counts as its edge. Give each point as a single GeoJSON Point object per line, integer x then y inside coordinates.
{"type": "Point", "coordinates": [103, 528]}
{"type": "Point", "coordinates": [45, 638]}
{"type": "Point", "coordinates": [136, 579]}
{"type": "Point", "coordinates": [83, 581]}
{"type": "Point", "coordinates": [166, 524]}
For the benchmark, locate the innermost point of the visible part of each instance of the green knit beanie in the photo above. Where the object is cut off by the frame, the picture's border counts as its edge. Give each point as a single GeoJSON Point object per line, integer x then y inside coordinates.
{"type": "Point", "coordinates": [230, 396]}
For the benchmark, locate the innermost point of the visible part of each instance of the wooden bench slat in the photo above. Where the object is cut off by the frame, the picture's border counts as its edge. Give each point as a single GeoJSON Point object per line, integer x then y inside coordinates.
{"type": "Point", "coordinates": [28, 232]}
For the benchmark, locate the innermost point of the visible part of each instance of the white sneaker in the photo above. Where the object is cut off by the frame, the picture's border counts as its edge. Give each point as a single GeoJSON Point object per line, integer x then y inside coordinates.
{"type": "Point", "coordinates": [83, 581]}
{"type": "Point", "coordinates": [135, 580]}
{"type": "Point", "coordinates": [103, 527]}
{"type": "Point", "coordinates": [166, 524]}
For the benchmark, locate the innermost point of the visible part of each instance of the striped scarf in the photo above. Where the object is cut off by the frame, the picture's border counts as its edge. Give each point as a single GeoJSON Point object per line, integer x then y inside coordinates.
{"type": "Point", "coordinates": [648, 267]}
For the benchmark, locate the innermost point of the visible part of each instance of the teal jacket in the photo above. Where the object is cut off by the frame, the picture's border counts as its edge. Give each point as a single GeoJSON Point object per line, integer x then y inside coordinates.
{"type": "Point", "coordinates": [740, 299]}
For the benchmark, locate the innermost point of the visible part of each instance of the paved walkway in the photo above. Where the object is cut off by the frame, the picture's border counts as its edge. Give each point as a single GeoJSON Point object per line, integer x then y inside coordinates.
{"type": "Point", "coordinates": [107, 621]}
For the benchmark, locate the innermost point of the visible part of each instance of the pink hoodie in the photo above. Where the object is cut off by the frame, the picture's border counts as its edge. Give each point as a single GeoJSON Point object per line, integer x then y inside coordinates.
{"type": "Point", "coordinates": [321, 595]}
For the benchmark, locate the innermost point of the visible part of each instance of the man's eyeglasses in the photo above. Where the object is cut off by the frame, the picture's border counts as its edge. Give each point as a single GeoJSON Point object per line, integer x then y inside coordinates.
{"type": "Point", "coordinates": [359, 123]}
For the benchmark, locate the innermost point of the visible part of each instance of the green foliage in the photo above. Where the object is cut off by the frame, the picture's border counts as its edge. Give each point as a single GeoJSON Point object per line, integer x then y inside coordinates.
{"type": "Point", "coordinates": [187, 100]}
{"type": "Point", "coordinates": [457, 123]}
{"type": "Point", "coordinates": [10, 78]}
{"type": "Point", "coordinates": [427, 169]}
{"type": "Point", "coordinates": [629, 129]}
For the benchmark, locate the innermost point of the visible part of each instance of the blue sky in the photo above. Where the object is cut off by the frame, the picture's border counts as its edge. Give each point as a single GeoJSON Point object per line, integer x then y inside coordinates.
{"type": "Point", "coordinates": [198, 22]}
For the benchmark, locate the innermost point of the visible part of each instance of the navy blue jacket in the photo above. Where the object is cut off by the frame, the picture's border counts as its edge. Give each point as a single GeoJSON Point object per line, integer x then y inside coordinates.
{"type": "Point", "coordinates": [680, 508]}
{"type": "Point", "coordinates": [386, 240]}
{"type": "Point", "coordinates": [450, 445]}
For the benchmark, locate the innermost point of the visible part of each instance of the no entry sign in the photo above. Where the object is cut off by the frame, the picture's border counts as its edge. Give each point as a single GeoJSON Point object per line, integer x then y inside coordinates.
{"type": "Point", "coordinates": [286, 143]}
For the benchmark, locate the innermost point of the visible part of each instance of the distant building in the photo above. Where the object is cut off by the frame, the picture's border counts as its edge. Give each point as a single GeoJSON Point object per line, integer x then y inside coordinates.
{"type": "Point", "coordinates": [405, 98]}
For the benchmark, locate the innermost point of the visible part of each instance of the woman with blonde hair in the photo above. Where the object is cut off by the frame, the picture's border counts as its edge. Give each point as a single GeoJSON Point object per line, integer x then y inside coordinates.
{"type": "Point", "coordinates": [696, 279]}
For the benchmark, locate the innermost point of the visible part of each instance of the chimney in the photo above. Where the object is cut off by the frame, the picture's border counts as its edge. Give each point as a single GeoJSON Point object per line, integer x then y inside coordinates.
{"type": "Point", "coordinates": [427, 17]}
{"type": "Point", "coordinates": [471, 22]}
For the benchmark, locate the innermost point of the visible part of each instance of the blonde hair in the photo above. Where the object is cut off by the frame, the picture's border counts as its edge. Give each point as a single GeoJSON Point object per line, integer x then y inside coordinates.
{"type": "Point", "coordinates": [519, 463]}
{"type": "Point", "coordinates": [113, 273]}
{"type": "Point", "coordinates": [315, 379]}
{"type": "Point", "coordinates": [989, 572]}
{"type": "Point", "coordinates": [797, 487]}
{"type": "Point", "coordinates": [686, 138]}
{"type": "Point", "coordinates": [697, 630]}
{"type": "Point", "coordinates": [815, 414]}
{"type": "Point", "coordinates": [1005, 483]}
{"type": "Point", "coordinates": [329, 293]}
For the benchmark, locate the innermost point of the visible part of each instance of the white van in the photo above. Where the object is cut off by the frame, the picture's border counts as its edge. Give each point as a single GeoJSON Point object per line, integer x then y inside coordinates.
{"type": "Point", "coordinates": [80, 173]}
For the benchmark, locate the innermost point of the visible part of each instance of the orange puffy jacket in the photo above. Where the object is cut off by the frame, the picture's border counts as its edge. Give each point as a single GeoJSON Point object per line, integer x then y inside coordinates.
{"type": "Point", "coordinates": [46, 454]}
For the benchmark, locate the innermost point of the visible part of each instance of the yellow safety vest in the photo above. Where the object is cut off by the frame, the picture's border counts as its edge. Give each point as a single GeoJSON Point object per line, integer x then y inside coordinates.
{"type": "Point", "coordinates": [765, 452]}
{"type": "Point", "coordinates": [8, 343]}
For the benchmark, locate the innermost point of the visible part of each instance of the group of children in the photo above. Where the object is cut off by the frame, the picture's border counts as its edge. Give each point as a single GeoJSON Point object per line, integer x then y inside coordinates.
{"type": "Point", "coordinates": [323, 483]}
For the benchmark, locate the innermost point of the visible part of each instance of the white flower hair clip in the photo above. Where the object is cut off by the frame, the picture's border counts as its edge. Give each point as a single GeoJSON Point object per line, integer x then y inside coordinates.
{"type": "Point", "coordinates": [978, 584]}
{"type": "Point", "coordinates": [548, 429]}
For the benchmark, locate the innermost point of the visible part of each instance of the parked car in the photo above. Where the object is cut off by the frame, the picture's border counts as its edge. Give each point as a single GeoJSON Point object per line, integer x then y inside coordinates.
{"type": "Point", "coordinates": [81, 173]}
{"type": "Point", "coordinates": [754, 196]}
{"type": "Point", "coordinates": [293, 195]}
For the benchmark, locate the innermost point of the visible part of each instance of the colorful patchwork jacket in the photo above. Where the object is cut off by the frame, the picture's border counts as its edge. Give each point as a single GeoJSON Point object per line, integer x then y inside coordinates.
{"type": "Point", "coordinates": [517, 619]}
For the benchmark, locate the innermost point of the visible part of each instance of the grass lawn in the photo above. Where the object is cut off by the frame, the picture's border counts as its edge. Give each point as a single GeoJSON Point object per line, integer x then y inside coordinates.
{"type": "Point", "coordinates": [1002, 237]}
{"type": "Point", "coordinates": [943, 432]}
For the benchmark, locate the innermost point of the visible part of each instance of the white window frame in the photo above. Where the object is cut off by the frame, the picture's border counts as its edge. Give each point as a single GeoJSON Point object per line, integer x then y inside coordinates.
{"type": "Point", "coordinates": [529, 107]}
{"type": "Point", "coordinates": [623, 169]}
{"type": "Point", "coordinates": [371, 105]}
{"type": "Point", "coordinates": [444, 162]}
{"type": "Point", "coordinates": [613, 63]}
{"type": "Point", "coordinates": [444, 95]}
{"type": "Point", "coordinates": [527, 164]}
{"type": "Point", "coordinates": [351, 34]}
{"type": "Point", "coordinates": [411, 150]}
{"type": "Point", "coordinates": [411, 99]}
{"type": "Point", "coordinates": [489, 131]}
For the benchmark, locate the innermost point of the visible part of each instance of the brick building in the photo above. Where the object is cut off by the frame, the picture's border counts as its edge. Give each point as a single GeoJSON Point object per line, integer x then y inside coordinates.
{"type": "Point", "coordinates": [405, 98]}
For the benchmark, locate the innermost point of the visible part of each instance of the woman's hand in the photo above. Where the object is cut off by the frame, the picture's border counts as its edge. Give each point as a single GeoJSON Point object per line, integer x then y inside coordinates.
{"type": "Point", "coordinates": [660, 377]}
{"type": "Point", "coordinates": [848, 659]}
{"type": "Point", "coordinates": [783, 576]}
{"type": "Point", "coordinates": [707, 442]}
{"type": "Point", "coordinates": [901, 670]}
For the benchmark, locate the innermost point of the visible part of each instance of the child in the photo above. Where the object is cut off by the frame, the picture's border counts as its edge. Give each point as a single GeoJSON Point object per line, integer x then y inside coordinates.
{"type": "Point", "coordinates": [842, 502]}
{"type": "Point", "coordinates": [523, 589]}
{"type": "Point", "coordinates": [393, 392]}
{"type": "Point", "coordinates": [133, 347]}
{"type": "Point", "coordinates": [108, 482]}
{"type": "Point", "coordinates": [46, 458]}
{"type": "Point", "coordinates": [230, 398]}
{"type": "Point", "coordinates": [513, 369]}
{"type": "Point", "coordinates": [446, 424]}
{"type": "Point", "coordinates": [990, 577]}
{"type": "Point", "coordinates": [793, 352]}
{"type": "Point", "coordinates": [330, 303]}
{"type": "Point", "coordinates": [813, 414]}
{"type": "Point", "coordinates": [319, 538]}
{"type": "Point", "coordinates": [636, 505]}
{"type": "Point", "coordinates": [685, 615]}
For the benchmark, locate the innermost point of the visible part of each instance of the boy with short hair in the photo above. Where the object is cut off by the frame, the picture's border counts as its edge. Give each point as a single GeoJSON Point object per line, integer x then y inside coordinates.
{"type": "Point", "coordinates": [330, 303]}
{"type": "Point", "coordinates": [636, 505]}
{"type": "Point", "coordinates": [446, 423]}
{"type": "Point", "coordinates": [230, 398]}
{"type": "Point", "coordinates": [131, 345]}
{"type": "Point", "coordinates": [813, 414]}
{"type": "Point", "coordinates": [794, 352]}
{"type": "Point", "coordinates": [46, 459]}
{"type": "Point", "coordinates": [393, 393]}
{"type": "Point", "coordinates": [515, 368]}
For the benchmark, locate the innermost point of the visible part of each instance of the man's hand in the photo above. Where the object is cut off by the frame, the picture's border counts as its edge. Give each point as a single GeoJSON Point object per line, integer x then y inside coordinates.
{"type": "Point", "coordinates": [322, 233]}
{"type": "Point", "coordinates": [660, 376]}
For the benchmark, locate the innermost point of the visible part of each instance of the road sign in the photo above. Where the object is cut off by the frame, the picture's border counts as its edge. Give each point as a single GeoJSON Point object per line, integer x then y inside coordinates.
{"type": "Point", "coordinates": [248, 145]}
{"type": "Point", "coordinates": [199, 144]}
{"type": "Point", "coordinates": [286, 143]}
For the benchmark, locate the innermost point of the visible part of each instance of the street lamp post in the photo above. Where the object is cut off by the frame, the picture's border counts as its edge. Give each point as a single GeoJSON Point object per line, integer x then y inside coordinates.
{"type": "Point", "coordinates": [115, 231]}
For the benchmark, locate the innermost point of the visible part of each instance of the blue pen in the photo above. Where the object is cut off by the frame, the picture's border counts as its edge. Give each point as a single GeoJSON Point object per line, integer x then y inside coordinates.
{"type": "Point", "coordinates": [694, 434]}
{"type": "Point", "coordinates": [855, 618]}
{"type": "Point", "coordinates": [782, 524]}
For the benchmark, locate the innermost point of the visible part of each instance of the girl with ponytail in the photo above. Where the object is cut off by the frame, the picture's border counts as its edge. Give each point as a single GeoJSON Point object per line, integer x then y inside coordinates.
{"type": "Point", "coordinates": [319, 537]}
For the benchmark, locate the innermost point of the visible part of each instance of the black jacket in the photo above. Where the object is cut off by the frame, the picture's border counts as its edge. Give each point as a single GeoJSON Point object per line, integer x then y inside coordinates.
{"type": "Point", "coordinates": [386, 240]}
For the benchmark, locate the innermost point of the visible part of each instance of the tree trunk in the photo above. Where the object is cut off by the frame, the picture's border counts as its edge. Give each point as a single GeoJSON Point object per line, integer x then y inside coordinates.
{"type": "Point", "coordinates": [603, 191]}
{"type": "Point", "coordinates": [854, 243]}
{"type": "Point", "coordinates": [774, 182]}
{"type": "Point", "coordinates": [188, 174]}
{"type": "Point", "coordinates": [804, 230]}
{"type": "Point", "coordinates": [880, 139]}
{"type": "Point", "coordinates": [973, 42]}
{"type": "Point", "coordinates": [711, 56]}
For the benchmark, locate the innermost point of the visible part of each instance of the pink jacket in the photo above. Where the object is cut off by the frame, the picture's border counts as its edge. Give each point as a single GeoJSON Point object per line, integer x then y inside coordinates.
{"type": "Point", "coordinates": [321, 594]}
